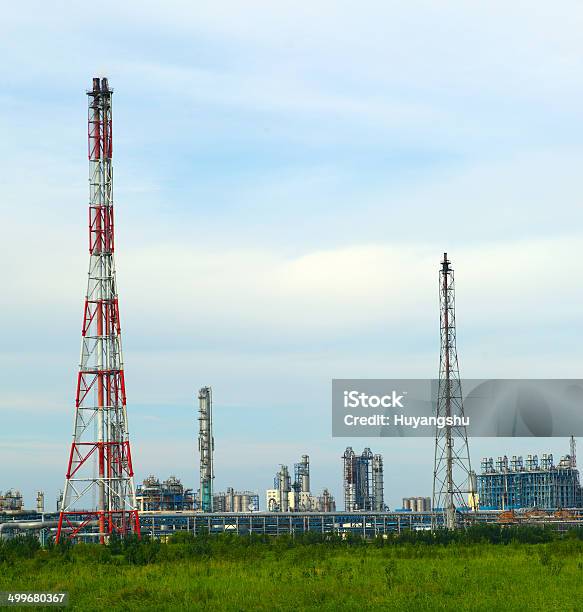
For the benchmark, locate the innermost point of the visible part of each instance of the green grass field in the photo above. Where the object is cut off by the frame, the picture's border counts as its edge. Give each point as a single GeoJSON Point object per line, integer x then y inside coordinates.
{"type": "Point", "coordinates": [230, 574]}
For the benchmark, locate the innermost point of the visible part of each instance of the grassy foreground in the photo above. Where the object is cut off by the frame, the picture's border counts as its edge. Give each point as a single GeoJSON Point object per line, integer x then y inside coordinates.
{"type": "Point", "coordinates": [230, 573]}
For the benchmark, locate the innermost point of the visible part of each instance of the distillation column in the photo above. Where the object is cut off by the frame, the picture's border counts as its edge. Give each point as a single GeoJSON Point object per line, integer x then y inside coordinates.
{"type": "Point", "coordinates": [377, 484]}
{"type": "Point", "coordinates": [350, 477]}
{"type": "Point", "coordinates": [304, 474]}
{"type": "Point", "coordinates": [284, 486]}
{"type": "Point", "coordinates": [206, 447]}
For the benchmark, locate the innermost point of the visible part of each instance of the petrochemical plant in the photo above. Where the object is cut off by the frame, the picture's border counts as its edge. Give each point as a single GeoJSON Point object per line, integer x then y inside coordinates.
{"type": "Point", "coordinates": [235, 501]}
{"type": "Point", "coordinates": [530, 483]}
{"type": "Point", "coordinates": [363, 481]}
{"type": "Point", "coordinates": [11, 501]}
{"type": "Point", "coordinates": [297, 497]}
{"type": "Point", "coordinates": [170, 495]}
{"type": "Point", "coordinates": [99, 498]}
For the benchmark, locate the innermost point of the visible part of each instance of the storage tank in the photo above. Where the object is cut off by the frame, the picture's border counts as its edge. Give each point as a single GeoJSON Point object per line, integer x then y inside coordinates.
{"type": "Point", "coordinates": [406, 503]}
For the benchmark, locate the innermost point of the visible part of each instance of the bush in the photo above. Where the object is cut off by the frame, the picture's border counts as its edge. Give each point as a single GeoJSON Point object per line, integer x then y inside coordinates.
{"type": "Point", "coordinates": [187, 545]}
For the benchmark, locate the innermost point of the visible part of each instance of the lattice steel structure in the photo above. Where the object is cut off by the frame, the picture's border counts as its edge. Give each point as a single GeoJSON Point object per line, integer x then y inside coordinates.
{"type": "Point", "coordinates": [530, 484]}
{"type": "Point", "coordinates": [99, 496]}
{"type": "Point", "coordinates": [452, 474]}
{"type": "Point", "coordinates": [206, 447]}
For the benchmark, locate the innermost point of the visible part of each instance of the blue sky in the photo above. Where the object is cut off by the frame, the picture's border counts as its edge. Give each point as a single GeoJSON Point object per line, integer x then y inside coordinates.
{"type": "Point", "coordinates": [287, 177]}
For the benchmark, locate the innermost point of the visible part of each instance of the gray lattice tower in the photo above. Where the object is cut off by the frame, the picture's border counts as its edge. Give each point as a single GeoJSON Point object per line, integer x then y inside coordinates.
{"type": "Point", "coordinates": [452, 468]}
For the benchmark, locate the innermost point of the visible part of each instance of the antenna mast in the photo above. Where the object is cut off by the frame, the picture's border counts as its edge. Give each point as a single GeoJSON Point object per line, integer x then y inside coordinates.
{"type": "Point", "coordinates": [452, 475]}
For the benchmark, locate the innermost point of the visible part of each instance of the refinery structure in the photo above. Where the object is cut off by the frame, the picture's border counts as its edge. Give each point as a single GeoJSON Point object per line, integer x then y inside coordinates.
{"type": "Point", "coordinates": [11, 501]}
{"type": "Point", "coordinates": [169, 495]}
{"type": "Point", "coordinates": [236, 501]}
{"type": "Point", "coordinates": [99, 498]}
{"type": "Point", "coordinates": [417, 504]}
{"type": "Point", "coordinates": [363, 481]}
{"type": "Point", "coordinates": [297, 496]}
{"type": "Point", "coordinates": [530, 483]}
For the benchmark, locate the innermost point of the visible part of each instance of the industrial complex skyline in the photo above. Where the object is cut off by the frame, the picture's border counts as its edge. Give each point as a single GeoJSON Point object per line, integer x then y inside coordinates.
{"type": "Point", "coordinates": [278, 232]}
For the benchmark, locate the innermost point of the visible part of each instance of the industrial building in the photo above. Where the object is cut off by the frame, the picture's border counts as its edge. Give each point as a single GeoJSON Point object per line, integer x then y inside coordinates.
{"type": "Point", "coordinates": [363, 481]}
{"type": "Point", "coordinates": [170, 495]}
{"type": "Point", "coordinates": [325, 502]}
{"type": "Point", "coordinates": [277, 499]}
{"type": "Point", "coordinates": [11, 501]}
{"type": "Point", "coordinates": [236, 501]}
{"type": "Point", "coordinates": [297, 497]}
{"type": "Point", "coordinates": [519, 484]}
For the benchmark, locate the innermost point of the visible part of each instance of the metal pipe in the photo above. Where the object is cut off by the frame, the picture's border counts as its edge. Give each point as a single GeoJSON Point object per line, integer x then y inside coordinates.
{"type": "Point", "coordinates": [27, 525]}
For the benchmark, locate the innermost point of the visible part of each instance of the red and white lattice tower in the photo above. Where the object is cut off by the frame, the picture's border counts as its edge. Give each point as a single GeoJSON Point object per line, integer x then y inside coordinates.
{"type": "Point", "coordinates": [99, 496]}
